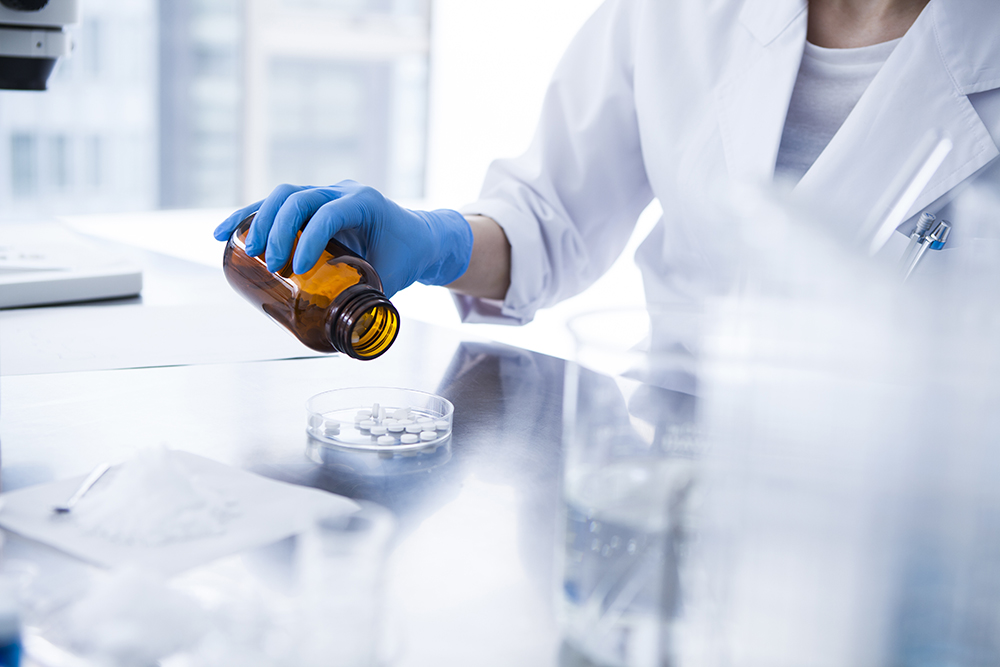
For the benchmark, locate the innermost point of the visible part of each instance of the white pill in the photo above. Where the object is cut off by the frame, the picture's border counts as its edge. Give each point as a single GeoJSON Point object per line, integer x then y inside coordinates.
{"type": "Point", "coordinates": [362, 415]}
{"type": "Point", "coordinates": [386, 440]}
{"type": "Point", "coordinates": [402, 413]}
{"type": "Point", "coordinates": [378, 430]}
{"type": "Point", "coordinates": [405, 422]}
{"type": "Point", "coordinates": [442, 425]}
{"type": "Point", "coordinates": [388, 421]}
{"type": "Point", "coordinates": [428, 427]}
{"type": "Point", "coordinates": [414, 428]}
{"type": "Point", "coordinates": [427, 436]}
{"type": "Point", "coordinates": [396, 428]}
{"type": "Point", "coordinates": [375, 410]}
{"type": "Point", "coordinates": [425, 420]}
{"type": "Point", "coordinates": [366, 425]}
{"type": "Point", "coordinates": [331, 428]}
{"type": "Point", "coordinates": [409, 438]}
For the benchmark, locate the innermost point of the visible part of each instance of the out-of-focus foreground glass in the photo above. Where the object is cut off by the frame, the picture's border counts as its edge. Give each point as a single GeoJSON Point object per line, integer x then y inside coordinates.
{"type": "Point", "coordinates": [830, 497]}
{"type": "Point", "coordinates": [341, 564]}
{"type": "Point", "coordinates": [631, 456]}
{"type": "Point", "coordinates": [851, 513]}
{"type": "Point", "coordinates": [313, 600]}
{"type": "Point", "coordinates": [196, 103]}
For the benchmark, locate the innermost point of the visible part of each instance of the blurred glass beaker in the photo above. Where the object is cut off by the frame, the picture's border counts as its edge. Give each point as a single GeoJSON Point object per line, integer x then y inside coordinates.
{"type": "Point", "coordinates": [341, 567]}
{"type": "Point", "coordinates": [631, 448]}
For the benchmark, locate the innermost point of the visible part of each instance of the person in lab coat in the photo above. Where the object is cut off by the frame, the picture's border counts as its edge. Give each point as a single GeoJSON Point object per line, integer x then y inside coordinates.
{"type": "Point", "coordinates": [675, 100]}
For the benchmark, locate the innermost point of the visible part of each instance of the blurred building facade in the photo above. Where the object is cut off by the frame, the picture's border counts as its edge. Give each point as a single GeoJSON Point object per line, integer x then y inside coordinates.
{"type": "Point", "coordinates": [194, 103]}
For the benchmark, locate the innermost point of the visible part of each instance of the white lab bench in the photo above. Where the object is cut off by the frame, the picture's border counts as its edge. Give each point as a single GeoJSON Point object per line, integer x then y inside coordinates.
{"type": "Point", "coordinates": [190, 365]}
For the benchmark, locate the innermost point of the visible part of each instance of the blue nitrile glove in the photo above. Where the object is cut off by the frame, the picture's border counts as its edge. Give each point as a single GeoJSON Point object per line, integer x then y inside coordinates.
{"type": "Point", "coordinates": [404, 246]}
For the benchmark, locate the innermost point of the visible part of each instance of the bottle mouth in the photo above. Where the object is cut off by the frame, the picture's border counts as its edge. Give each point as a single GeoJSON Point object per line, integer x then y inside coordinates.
{"type": "Point", "coordinates": [367, 323]}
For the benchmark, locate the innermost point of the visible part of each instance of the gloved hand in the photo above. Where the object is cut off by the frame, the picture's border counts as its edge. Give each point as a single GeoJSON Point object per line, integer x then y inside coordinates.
{"type": "Point", "coordinates": [404, 246]}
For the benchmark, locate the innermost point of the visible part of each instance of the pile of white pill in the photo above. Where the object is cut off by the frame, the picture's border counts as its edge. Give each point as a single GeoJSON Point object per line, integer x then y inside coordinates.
{"type": "Point", "coordinates": [399, 426]}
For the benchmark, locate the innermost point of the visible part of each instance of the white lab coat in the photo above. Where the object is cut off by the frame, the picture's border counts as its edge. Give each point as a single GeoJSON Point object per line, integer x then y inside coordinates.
{"type": "Point", "coordinates": [674, 99]}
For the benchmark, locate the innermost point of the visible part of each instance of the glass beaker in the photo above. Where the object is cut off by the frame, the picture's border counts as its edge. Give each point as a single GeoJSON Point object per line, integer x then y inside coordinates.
{"type": "Point", "coordinates": [631, 453]}
{"type": "Point", "coordinates": [341, 568]}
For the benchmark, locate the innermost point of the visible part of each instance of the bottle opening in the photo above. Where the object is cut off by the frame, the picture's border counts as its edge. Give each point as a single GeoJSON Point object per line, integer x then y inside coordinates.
{"type": "Point", "coordinates": [374, 331]}
{"type": "Point", "coordinates": [367, 323]}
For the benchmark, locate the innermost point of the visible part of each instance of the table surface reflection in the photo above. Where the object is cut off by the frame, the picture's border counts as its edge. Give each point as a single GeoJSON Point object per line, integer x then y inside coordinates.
{"type": "Point", "coordinates": [471, 573]}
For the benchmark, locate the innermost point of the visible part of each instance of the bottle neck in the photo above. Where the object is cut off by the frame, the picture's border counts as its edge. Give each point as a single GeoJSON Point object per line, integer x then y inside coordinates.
{"type": "Point", "coordinates": [365, 324]}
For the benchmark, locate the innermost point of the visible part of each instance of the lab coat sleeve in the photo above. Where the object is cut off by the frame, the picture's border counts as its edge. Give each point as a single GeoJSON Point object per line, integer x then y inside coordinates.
{"type": "Point", "coordinates": [569, 204]}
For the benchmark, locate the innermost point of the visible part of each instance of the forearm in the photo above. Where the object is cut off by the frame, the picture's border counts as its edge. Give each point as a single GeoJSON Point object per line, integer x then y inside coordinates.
{"type": "Point", "coordinates": [488, 275]}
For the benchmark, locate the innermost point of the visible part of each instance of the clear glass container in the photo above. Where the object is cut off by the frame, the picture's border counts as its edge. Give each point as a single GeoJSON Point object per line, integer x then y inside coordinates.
{"type": "Point", "coordinates": [379, 430]}
{"type": "Point", "coordinates": [341, 567]}
{"type": "Point", "coordinates": [632, 450]}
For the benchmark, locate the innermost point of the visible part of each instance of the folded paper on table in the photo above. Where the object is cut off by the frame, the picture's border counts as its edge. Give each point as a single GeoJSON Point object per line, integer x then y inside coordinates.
{"type": "Point", "coordinates": [268, 511]}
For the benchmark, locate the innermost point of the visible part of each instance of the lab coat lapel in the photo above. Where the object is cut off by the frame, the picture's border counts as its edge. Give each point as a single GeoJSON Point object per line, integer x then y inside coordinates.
{"type": "Point", "coordinates": [916, 92]}
{"type": "Point", "coordinates": [753, 96]}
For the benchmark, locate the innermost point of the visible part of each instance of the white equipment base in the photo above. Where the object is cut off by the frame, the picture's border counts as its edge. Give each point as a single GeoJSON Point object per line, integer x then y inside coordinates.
{"type": "Point", "coordinates": [44, 262]}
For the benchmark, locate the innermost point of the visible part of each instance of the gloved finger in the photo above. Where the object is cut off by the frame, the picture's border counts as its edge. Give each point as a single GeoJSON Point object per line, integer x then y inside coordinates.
{"type": "Point", "coordinates": [225, 230]}
{"type": "Point", "coordinates": [331, 218]}
{"type": "Point", "coordinates": [262, 222]}
{"type": "Point", "coordinates": [295, 213]}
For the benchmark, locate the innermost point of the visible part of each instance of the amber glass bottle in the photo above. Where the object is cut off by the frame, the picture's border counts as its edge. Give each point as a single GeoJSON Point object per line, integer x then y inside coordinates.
{"type": "Point", "coordinates": [337, 306]}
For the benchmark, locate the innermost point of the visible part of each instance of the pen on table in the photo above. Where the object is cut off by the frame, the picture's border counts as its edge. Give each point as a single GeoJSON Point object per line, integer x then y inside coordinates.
{"type": "Point", "coordinates": [89, 482]}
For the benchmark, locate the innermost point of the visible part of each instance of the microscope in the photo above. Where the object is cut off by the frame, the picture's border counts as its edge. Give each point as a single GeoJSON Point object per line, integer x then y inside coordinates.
{"type": "Point", "coordinates": [42, 261]}
{"type": "Point", "coordinates": [32, 40]}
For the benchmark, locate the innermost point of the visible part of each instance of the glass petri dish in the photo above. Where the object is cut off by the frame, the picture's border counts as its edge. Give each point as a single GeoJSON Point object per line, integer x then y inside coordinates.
{"type": "Point", "coordinates": [379, 430]}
